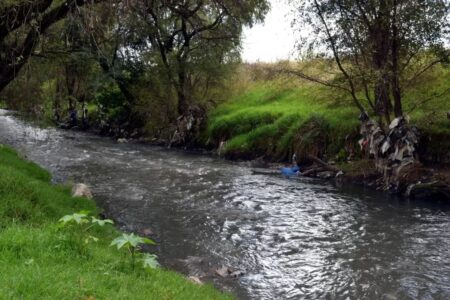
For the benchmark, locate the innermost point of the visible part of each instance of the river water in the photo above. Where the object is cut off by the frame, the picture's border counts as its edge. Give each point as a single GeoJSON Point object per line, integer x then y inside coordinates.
{"type": "Point", "coordinates": [294, 239]}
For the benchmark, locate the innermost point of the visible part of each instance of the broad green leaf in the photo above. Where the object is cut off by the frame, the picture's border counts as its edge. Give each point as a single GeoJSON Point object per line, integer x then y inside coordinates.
{"type": "Point", "coordinates": [149, 241]}
{"type": "Point", "coordinates": [150, 261]}
{"type": "Point", "coordinates": [119, 242]}
{"type": "Point", "coordinates": [78, 218]}
{"type": "Point", "coordinates": [101, 222]}
{"type": "Point", "coordinates": [130, 241]}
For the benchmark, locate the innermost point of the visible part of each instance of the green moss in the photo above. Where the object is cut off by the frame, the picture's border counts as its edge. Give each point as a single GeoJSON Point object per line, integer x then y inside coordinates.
{"type": "Point", "coordinates": [40, 261]}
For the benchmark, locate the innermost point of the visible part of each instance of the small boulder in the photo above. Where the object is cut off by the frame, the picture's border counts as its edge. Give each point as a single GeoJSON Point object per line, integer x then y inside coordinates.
{"type": "Point", "coordinates": [226, 272]}
{"type": "Point", "coordinates": [326, 175]}
{"type": "Point", "coordinates": [81, 190]}
{"type": "Point", "coordinates": [429, 191]}
{"type": "Point", "coordinates": [223, 272]}
{"type": "Point", "coordinates": [195, 280]}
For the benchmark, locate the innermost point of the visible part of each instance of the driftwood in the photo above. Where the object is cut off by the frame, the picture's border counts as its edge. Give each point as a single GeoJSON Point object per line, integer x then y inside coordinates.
{"type": "Point", "coordinates": [323, 164]}
{"type": "Point", "coordinates": [313, 171]}
{"type": "Point", "coordinates": [318, 167]}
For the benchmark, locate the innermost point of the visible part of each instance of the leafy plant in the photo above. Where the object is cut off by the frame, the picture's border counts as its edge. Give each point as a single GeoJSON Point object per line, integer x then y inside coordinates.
{"type": "Point", "coordinates": [101, 223]}
{"type": "Point", "coordinates": [81, 218]}
{"type": "Point", "coordinates": [150, 261]}
{"type": "Point", "coordinates": [131, 242]}
{"type": "Point", "coordinates": [76, 218]}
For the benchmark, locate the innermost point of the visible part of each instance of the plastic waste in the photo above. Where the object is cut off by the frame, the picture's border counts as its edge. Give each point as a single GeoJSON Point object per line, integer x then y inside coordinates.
{"type": "Point", "coordinates": [290, 171]}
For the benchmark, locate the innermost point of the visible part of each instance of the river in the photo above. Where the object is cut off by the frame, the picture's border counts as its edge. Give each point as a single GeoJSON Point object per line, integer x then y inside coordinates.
{"type": "Point", "coordinates": [294, 239]}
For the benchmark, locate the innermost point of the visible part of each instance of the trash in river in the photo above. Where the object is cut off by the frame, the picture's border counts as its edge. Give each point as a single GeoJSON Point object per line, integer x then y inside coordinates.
{"type": "Point", "coordinates": [290, 171]}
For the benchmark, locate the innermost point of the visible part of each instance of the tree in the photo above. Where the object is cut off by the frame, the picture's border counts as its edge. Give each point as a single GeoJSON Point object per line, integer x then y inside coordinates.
{"type": "Point", "coordinates": [21, 24]}
{"type": "Point", "coordinates": [192, 39]}
{"type": "Point", "coordinates": [380, 47]}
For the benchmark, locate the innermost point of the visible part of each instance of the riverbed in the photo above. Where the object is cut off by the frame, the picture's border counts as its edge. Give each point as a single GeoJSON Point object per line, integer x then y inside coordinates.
{"type": "Point", "coordinates": [292, 239]}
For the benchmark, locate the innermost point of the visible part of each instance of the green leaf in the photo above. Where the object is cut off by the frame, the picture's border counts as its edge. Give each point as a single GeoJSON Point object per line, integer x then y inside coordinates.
{"type": "Point", "coordinates": [119, 242]}
{"type": "Point", "coordinates": [90, 238]}
{"type": "Point", "coordinates": [130, 241]}
{"type": "Point", "coordinates": [149, 241]}
{"type": "Point", "coordinates": [150, 261]}
{"type": "Point", "coordinates": [78, 218]}
{"type": "Point", "coordinates": [99, 222]}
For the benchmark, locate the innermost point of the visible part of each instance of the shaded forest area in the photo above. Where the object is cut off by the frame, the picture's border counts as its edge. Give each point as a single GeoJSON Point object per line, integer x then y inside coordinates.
{"type": "Point", "coordinates": [125, 67]}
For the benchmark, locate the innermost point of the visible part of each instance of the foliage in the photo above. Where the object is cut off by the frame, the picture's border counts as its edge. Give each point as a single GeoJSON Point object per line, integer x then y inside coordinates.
{"type": "Point", "coordinates": [379, 47]}
{"type": "Point", "coordinates": [77, 218]}
{"type": "Point", "coordinates": [101, 223]}
{"type": "Point", "coordinates": [130, 241]}
{"type": "Point", "coordinates": [192, 44]}
{"type": "Point", "coordinates": [265, 116]}
{"type": "Point", "coordinates": [150, 261]}
{"type": "Point", "coordinates": [21, 26]}
{"type": "Point", "coordinates": [138, 64]}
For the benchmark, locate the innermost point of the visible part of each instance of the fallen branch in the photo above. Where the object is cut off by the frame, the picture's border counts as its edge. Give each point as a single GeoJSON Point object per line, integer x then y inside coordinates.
{"type": "Point", "coordinates": [320, 162]}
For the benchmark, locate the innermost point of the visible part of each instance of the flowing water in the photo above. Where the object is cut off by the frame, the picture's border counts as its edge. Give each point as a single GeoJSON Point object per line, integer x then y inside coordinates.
{"type": "Point", "coordinates": [294, 239]}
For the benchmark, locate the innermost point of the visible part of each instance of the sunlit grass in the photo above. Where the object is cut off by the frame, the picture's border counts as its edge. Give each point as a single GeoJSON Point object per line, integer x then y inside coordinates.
{"type": "Point", "coordinates": [263, 119]}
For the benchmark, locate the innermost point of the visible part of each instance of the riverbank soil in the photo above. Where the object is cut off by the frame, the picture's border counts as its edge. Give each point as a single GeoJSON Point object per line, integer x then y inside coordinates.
{"type": "Point", "coordinates": [40, 260]}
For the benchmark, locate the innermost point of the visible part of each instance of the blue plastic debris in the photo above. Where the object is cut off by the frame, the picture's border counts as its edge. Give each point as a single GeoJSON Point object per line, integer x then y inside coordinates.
{"type": "Point", "coordinates": [290, 171]}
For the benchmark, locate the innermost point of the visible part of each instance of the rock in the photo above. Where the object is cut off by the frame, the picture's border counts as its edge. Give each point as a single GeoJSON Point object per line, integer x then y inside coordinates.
{"type": "Point", "coordinates": [81, 190]}
{"type": "Point", "coordinates": [147, 232]}
{"type": "Point", "coordinates": [122, 141]}
{"type": "Point", "coordinates": [237, 274]}
{"type": "Point", "coordinates": [325, 175]}
{"type": "Point", "coordinates": [339, 174]}
{"type": "Point", "coordinates": [226, 272]}
{"type": "Point", "coordinates": [223, 272]}
{"type": "Point", "coordinates": [195, 280]}
{"type": "Point", "coordinates": [429, 191]}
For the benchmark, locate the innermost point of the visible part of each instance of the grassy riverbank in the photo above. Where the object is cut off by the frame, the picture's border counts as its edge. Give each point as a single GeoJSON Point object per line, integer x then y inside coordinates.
{"type": "Point", "coordinates": [274, 115]}
{"type": "Point", "coordinates": [39, 260]}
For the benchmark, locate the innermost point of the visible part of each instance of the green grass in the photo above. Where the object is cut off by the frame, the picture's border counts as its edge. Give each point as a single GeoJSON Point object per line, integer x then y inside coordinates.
{"type": "Point", "coordinates": [272, 117]}
{"type": "Point", "coordinates": [265, 119]}
{"type": "Point", "coordinates": [39, 260]}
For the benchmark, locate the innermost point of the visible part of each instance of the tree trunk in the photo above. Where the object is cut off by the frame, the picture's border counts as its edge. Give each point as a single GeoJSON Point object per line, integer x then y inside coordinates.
{"type": "Point", "coordinates": [395, 81]}
{"type": "Point", "coordinates": [380, 40]}
{"type": "Point", "coordinates": [9, 68]}
{"type": "Point", "coordinates": [183, 101]}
